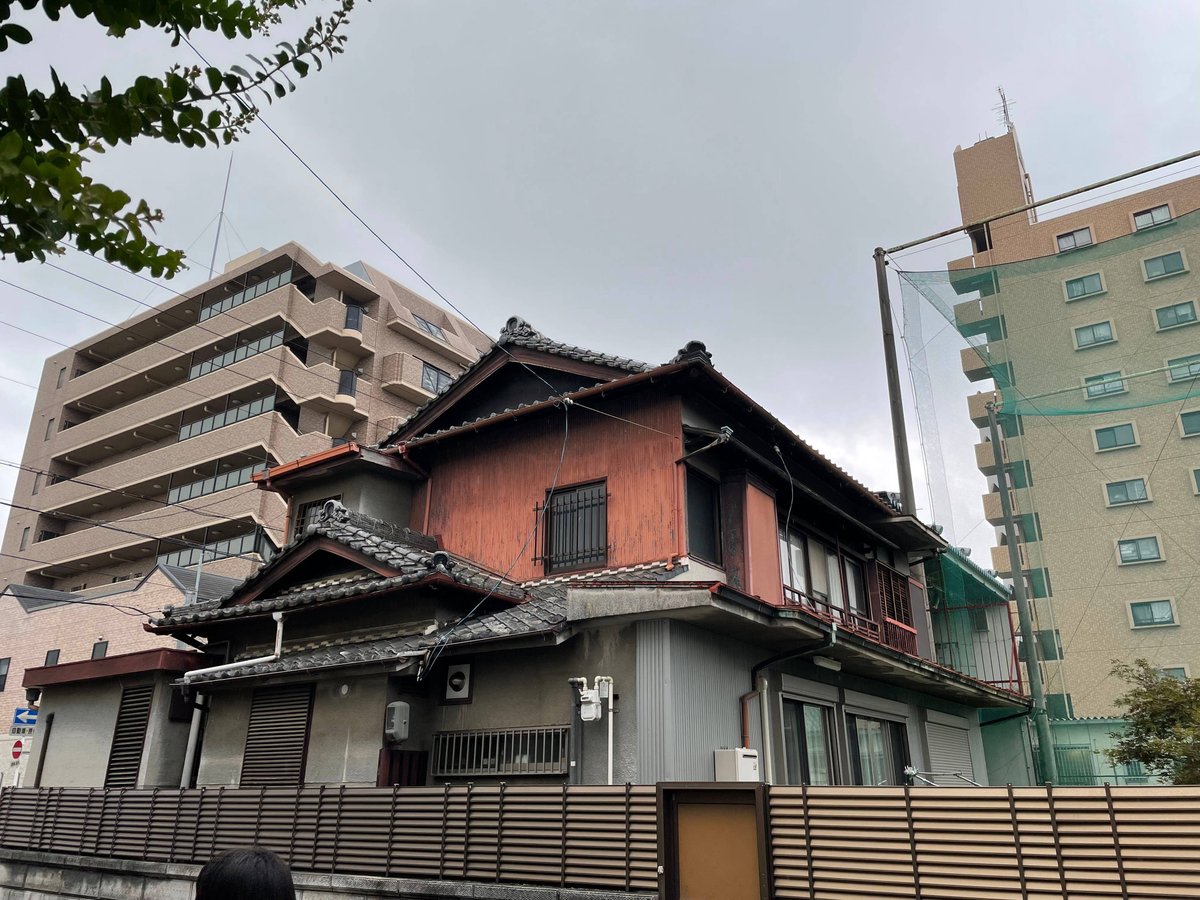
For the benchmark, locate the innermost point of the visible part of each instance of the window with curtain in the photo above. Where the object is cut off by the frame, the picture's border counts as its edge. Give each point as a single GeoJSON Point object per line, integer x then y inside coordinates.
{"type": "Point", "coordinates": [878, 750]}
{"type": "Point", "coordinates": [808, 744]}
{"type": "Point", "coordinates": [793, 559]}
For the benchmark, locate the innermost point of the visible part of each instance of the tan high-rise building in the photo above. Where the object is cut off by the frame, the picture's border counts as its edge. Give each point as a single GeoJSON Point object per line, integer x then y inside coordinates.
{"type": "Point", "coordinates": [1092, 342]}
{"type": "Point", "coordinates": [144, 437]}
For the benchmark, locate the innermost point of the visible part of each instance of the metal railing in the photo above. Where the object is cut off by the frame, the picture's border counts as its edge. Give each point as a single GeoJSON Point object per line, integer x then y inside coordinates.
{"type": "Point", "coordinates": [214, 484]}
{"type": "Point", "coordinates": [244, 296]}
{"type": "Point", "coordinates": [237, 354]}
{"type": "Point", "coordinates": [228, 417]}
{"type": "Point", "coordinates": [831, 612]}
{"type": "Point", "coordinates": [539, 750]}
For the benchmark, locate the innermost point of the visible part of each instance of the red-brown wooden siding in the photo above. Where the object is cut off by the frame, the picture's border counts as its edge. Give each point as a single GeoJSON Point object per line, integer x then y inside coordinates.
{"type": "Point", "coordinates": [485, 486]}
{"type": "Point", "coordinates": [762, 546]}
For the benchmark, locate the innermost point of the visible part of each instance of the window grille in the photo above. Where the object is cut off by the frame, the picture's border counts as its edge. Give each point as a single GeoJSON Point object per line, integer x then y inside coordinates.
{"type": "Point", "coordinates": [129, 737]}
{"type": "Point", "coordinates": [575, 528]}
{"type": "Point", "coordinates": [277, 736]}
{"type": "Point", "coordinates": [509, 751]}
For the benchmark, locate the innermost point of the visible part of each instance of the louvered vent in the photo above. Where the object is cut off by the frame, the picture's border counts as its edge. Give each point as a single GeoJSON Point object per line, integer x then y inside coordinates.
{"type": "Point", "coordinates": [129, 737]}
{"type": "Point", "coordinates": [277, 738]}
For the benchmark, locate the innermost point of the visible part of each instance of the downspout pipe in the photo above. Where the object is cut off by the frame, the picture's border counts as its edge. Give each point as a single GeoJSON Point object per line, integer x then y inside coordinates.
{"type": "Point", "coordinates": [758, 685]}
{"type": "Point", "coordinates": [198, 704]}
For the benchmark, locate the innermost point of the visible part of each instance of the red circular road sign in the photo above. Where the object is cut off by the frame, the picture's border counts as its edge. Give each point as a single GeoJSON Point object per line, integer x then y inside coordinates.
{"type": "Point", "coordinates": [18, 748]}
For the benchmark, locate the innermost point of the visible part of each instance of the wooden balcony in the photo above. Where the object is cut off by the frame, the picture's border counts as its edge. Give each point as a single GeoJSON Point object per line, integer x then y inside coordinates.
{"type": "Point", "coordinates": [888, 632]}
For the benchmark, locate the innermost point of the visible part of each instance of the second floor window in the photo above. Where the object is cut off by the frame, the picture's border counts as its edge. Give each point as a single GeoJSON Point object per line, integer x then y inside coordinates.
{"type": "Point", "coordinates": [434, 379]}
{"type": "Point", "coordinates": [4, 672]}
{"type": "Point", "coordinates": [99, 649]}
{"type": "Point", "coordinates": [575, 524]}
{"type": "Point", "coordinates": [309, 512]}
{"type": "Point", "coordinates": [51, 658]}
{"type": "Point", "coordinates": [703, 517]}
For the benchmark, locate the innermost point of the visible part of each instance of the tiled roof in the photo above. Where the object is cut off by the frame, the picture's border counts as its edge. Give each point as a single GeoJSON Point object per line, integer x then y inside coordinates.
{"type": "Point", "coordinates": [544, 614]}
{"type": "Point", "coordinates": [519, 333]}
{"type": "Point", "coordinates": [396, 548]}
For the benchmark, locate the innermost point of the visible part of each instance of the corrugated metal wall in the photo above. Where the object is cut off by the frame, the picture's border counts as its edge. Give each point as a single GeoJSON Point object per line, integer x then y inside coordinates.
{"type": "Point", "coordinates": [689, 681]}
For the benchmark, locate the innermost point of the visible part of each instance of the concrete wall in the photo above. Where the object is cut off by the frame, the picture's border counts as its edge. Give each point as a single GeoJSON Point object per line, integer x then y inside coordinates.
{"type": "Point", "coordinates": [224, 738]}
{"type": "Point", "coordinates": [347, 731]}
{"type": "Point", "coordinates": [85, 715]}
{"type": "Point", "coordinates": [166, 741]}
{"type": "Point", "coordinates": [379, 496]}
{"type": "Point", "coordinates": [52, 876]}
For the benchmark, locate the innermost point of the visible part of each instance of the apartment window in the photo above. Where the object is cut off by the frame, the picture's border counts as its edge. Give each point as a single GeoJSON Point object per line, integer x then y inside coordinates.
{"type": "Point", "coordinates": [1078, 288]}
{"type": "Point", "coordinates": [1093, 335]}
{"type": "Point", "coordinates": [1138, 550]}
{"type": "Point", "coordinates": [1196, 480]}
{"type": "Point", "coordinates": [1189, 423]}
{"type": "Point", "coordinates": [4, 663]}
{"type": "Point", "coordinates": [575, 522]}
{"type": "Point", "coordinates": [1131, 490]}
{"type": "Point", "coordinates": [807, 743]}
{"type": "Point", "coordinates": [99, 649]}
{"type": "Point", "coordinates": [1114, 437]}
{"type": "Point", "coordinates": [434, 379]}
{"type": "Point", "coordinates": [309, 512]}
{"type": "Point", "coordinates": [1162, 266]}
{"type": "Point", "coordinates": [429, 327]}
{"type": "Point", "coordinates": [1098, 386]}
{"type": "Point", "coordinates": [50, 429]}
{"type": "Point", "coordinates": [62, 377]}
{"type": "Point", "coordinates": [1150, 217]}
{"type": "Point", "coordinates": [354, 317]}
{"type": "Point", "coordinates": [51, 658]}
{"type": "Point", "coordinates": [37, 483]}
{"type": "Point", "coordinates": [1175, 315]}
{"type": "Point", "coordinates": [703, 517]}
{"type": "Point", "coordinates": [1183, 368]}
{"type": "Point", "coordinates": [1179, 673]}
{"type": "Point", "coordinates": [1081, 237]}
{"type": "Point", "coordinates": [878, 750]}
{"type": "Point", "coordinates": [24, 538]}
{"type": "Point", "coordinates": [1152, 613]}
{"type": "Point", "coordinates": [855, 587]}
{"type": "Point", "coordinates": [347, 382]}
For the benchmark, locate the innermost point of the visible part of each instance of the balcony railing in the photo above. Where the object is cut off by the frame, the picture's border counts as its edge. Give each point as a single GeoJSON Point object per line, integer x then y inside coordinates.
{"type": "Point", "coordinates": [251, 542]}
{"type": "Point", "coordinates": [245, 296]}
{"type": "Point", "coordinates": [831, 612]}
{"type": "Point", "coordinates": [234, 478]}
{"type": "Point", "coordinates": [509, 751]}
{"type": "Point", "coordinates": [237, 354]}
{"type": "Point", "coordinates": [228, 417]}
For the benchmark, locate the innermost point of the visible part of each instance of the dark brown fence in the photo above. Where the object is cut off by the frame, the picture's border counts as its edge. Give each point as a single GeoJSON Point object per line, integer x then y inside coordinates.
{"type": "Point", "coordinates": [577, 836]}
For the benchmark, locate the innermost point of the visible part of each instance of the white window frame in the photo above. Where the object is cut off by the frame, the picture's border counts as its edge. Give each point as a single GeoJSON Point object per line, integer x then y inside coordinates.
{"type": "Point", "coordinates": [1182, 255]}
{"type": "Point", "coordinates": [1145, 484]}
{"type": "Point", "coordinates": [1174, 623]}
{"type": "Point", "coordinates": [1137, 440]}
{"type": "Point", "coordinates": [1141, 212]}
{"type": "Point", "coordinates": [1124, 385]}
{"type": "Point", "coordinates": [1196, 313]}
{"type": "Point", "coordinates": [1141, 562]}
{"type": "Point", "coordinates": [1103, 287]}
{"type": "Point", "coordinates": [1184, 434]}
{"type": "Point", "coordinates": [1167, 366]}
{"type": "Point", "coordinates": [1194, 474]}
{"type": "Point", "coordinates": [1058, 248]}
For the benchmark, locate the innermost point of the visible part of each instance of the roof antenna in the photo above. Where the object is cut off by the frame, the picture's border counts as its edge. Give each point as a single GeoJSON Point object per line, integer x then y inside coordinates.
{"type": "Point", "coordinates": [1001, 110]}
{"type": "Point", "coordinates": [220, 216]}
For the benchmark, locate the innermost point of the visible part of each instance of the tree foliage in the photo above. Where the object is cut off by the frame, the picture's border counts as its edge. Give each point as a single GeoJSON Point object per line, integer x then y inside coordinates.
{"type": "Point", "coordinates": [1163, 715]}
{"type": "Point", "coordinates": [47, 135]}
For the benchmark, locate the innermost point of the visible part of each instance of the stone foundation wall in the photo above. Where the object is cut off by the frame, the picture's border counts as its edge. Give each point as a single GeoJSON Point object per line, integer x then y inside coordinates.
{"type": "Point", "coordinates": [56, 876]}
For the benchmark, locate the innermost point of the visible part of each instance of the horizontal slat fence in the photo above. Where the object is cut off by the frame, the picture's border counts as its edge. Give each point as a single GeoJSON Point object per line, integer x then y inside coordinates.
{"type": "Point", "coordinates": [949, 843]}
{"type": "Point", "coordinates": [563, 836]}
{"type": "Point", "coordinates": [826, 843]}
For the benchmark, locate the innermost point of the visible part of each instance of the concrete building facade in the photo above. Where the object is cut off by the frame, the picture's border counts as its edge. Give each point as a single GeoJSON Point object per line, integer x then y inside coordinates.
{"type": "Point", "coordinates": [144, 437]}
{"type": "Point", "coordinates": [1088, 322]}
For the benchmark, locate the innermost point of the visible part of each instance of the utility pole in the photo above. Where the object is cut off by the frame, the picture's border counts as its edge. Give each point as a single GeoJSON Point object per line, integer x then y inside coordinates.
{"type": "Point", "coordinates": [895, 398]}
{"type": "Point", "coordinates": [1041, 723]}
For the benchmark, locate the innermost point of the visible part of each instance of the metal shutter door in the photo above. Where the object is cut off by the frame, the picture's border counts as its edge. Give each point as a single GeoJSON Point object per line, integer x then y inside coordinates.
{"type": "Point", "coordinates": [277, 737]}
{"type": "Point", "coordinates": [949, 751]}
{"type": "Point", "coordinates": [129, 737]}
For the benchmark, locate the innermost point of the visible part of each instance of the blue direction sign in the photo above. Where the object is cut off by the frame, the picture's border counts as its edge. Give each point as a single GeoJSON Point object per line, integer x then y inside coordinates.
{"type": "Point", "coordinates": [24, 716]}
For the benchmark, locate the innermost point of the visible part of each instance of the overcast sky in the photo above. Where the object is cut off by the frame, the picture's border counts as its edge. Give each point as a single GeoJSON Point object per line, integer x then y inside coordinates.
{"type": "Point", "coordinates": [631, 175]}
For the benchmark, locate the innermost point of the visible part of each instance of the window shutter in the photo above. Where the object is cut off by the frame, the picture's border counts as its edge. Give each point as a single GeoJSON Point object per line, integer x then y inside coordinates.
{"type": "Point", "coordinates": [129, 737]}
{"type": "Point", "coordinates": [949, 751]}
{"type": "Point", "coordinates": [277, 737]}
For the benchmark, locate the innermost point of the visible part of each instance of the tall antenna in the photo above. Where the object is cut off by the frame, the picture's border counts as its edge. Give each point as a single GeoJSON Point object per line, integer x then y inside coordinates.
{"type": "Point", "coordinates": [1002, 110]}
{"type": "Point", "coordinates": [220, 216]}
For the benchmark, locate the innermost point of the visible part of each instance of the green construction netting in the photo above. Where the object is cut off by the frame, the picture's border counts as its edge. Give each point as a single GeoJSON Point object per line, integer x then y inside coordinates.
{"type": "Point", "coordinates": [1096, 329]}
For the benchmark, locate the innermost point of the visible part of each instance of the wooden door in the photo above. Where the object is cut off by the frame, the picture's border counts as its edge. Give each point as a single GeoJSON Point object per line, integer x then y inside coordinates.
{"type": "Point", "coordinates": [714, 843]}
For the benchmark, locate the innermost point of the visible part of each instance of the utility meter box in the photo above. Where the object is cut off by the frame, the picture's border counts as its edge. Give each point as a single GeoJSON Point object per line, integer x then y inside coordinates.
{"type": "Point", "coordinates": [736, 764]}
{"type": "Point", "coordinates": [395, 723]}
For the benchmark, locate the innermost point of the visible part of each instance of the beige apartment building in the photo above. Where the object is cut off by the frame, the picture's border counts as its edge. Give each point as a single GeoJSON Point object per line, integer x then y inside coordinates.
{"type": "Point", "coordinates": [144, 437]}
{"type": "Point", "coordinates": [1086, 324]}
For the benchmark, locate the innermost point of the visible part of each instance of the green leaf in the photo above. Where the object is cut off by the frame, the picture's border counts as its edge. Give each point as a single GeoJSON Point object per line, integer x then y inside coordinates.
{"type": "Point", "coordinates": [15, 33]}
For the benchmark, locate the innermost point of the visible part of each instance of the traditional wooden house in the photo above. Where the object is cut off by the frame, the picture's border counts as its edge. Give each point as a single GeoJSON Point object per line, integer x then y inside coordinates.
{"type": "Point", "coordinates": [574, 567]}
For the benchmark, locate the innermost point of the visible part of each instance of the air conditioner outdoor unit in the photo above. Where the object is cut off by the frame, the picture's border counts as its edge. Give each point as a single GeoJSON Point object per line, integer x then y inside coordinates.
{"type": "Point", "coordinates": [395, 727]}
{"type": "Point", "coordinates": [736, 764]}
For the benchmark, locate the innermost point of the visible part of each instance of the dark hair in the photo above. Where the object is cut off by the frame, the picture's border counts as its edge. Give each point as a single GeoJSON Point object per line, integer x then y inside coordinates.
{"type": "Point", "coordinates": [254, 873]}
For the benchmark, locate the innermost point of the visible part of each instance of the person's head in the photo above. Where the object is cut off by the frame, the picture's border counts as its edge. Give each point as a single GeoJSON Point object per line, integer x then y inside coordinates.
{"type": "Point", "coordinates": [250, 874]}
